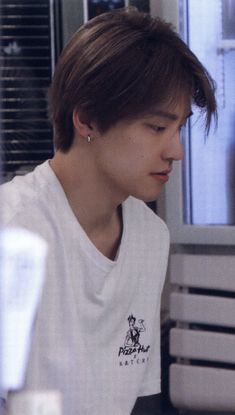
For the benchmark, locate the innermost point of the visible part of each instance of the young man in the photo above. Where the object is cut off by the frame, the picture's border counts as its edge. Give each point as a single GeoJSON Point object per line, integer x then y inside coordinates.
{"type": "Point", "coordinates": [121, 92]}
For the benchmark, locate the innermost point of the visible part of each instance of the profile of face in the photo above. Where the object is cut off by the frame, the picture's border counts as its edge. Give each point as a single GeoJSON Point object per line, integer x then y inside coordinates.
{"type": "Point", "coordinates": [135, 157]}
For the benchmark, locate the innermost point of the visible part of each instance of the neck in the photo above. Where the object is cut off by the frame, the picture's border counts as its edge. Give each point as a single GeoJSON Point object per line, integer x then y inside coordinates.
{"type": "Point", "coordinates": [91, 201]}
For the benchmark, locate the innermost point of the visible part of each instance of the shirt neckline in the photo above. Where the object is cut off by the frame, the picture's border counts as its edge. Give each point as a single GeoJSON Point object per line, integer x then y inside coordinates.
{"type": "Point", "coordinates": [64, 209]}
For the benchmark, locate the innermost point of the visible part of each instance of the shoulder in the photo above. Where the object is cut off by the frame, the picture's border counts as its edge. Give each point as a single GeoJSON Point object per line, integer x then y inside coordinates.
{"type": "Point", "coordinates": [145, 220]}
{"type": "Point", "coordinates": [148, 243]}
{"type": "Point", "coordinates": [22, 196]}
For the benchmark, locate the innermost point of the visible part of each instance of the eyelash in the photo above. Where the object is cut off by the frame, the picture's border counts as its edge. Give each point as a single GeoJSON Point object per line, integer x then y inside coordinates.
{"type": "Point", "coordinates": [158, 128]}
{"type": "Point", "coordinates": [161, 129]}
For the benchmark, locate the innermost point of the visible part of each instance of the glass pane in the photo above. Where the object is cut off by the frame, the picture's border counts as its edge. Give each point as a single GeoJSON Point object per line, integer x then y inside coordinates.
{"type": "Point", "coordinates": [210, 165]}
{"type": "Point", "coordinates": [96, 7]}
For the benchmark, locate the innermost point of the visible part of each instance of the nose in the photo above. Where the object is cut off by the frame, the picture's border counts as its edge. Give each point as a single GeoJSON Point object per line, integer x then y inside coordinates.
{"type": "Point", "coordinates": [174, 149]}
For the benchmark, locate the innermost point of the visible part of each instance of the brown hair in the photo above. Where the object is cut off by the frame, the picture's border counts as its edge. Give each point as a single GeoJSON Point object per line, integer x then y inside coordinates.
{"type": "Point", "coordinates": [119, 65]}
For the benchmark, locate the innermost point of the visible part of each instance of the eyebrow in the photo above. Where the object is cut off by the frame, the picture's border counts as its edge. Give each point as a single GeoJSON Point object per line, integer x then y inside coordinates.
{"type": "Point", "coordinates": [169, 115]}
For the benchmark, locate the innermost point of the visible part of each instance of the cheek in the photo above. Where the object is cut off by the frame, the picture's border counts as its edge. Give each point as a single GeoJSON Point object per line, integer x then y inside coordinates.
{"type": "Point", "coordinates": [138, 150]}
{"type": "Point", "coordinates": [127, 155]}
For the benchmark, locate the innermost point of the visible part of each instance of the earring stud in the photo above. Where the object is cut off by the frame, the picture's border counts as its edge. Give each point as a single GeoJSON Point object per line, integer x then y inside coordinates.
{"type": "Point", "coordinates": [88, 138]}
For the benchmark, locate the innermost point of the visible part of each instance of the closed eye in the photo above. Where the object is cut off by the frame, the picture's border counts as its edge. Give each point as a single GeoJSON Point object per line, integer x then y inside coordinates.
{"type": "Point", "coordinates": [158, 128]}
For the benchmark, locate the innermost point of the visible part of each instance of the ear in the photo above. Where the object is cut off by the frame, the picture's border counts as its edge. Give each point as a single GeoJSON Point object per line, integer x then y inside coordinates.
{"type": "Point", "coordinates": [81, 125]}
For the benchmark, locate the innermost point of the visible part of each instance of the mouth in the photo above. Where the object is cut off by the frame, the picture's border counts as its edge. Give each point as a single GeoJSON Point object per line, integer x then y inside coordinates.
{"type": "Point", "coordinates": [162, 176]}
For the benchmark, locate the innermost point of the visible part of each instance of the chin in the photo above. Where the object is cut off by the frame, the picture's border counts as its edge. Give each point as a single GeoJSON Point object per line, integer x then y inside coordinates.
{"type": "Point", "coordinates": [149, 198]}
{"type": "Point", "coordinates": [147, 194]}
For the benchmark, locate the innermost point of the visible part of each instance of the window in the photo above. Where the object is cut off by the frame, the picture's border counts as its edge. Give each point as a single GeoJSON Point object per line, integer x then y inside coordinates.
{"type": "Point", "coordinates": [210, 166]}
{"type": "Point", "coordinates": [26, 64]}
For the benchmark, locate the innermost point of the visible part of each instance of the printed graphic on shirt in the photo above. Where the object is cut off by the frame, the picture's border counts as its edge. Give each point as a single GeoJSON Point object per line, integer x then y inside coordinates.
{"type": "Point", "coordinates": [133, 350]}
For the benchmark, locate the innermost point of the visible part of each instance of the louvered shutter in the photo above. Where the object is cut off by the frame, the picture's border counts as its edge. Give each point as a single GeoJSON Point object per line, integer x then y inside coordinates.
{"type": "Point", "coordinates": [26, 63]}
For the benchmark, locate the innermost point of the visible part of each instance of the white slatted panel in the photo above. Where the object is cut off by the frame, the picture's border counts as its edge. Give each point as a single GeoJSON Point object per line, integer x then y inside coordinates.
{"type": "Point", "coordinates": [202, 305]}
{"type": "Point", "coordinates": [199, 388]}
{"type": "Point", "coordinates": [204, 271]}
{"type": "Point", "coordinates": [202, 345]}
{"type": "Point", "coordinates": [203, 309]}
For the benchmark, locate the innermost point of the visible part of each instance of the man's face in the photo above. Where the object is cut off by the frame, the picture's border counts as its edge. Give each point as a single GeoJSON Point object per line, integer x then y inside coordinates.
{"type": "Point", "coordinates": [135, 157]}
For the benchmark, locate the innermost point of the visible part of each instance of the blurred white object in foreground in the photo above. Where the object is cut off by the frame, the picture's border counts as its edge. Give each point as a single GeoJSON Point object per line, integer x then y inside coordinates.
{"type": "Point", "coordinates": [22, 271]}
{"type": "Point", "coordinates": [35, 403]}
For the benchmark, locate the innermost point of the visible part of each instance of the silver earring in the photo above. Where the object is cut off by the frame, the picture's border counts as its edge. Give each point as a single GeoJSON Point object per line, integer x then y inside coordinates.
{"type": "Point", "coordinates": [88, 138]}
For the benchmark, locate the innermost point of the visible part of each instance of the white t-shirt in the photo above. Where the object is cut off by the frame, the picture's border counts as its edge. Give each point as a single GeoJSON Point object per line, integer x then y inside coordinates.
{"type": "Point", "coordinates": [83, 343]}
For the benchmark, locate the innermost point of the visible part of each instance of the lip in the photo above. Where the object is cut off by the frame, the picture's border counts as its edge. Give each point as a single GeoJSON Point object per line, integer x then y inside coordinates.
{"type": "Point", "coordinates": [162, 176]}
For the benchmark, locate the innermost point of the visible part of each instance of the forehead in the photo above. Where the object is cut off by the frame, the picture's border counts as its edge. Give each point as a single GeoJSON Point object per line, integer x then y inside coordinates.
{"type": "Point", "coordinates": [180, 109]}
